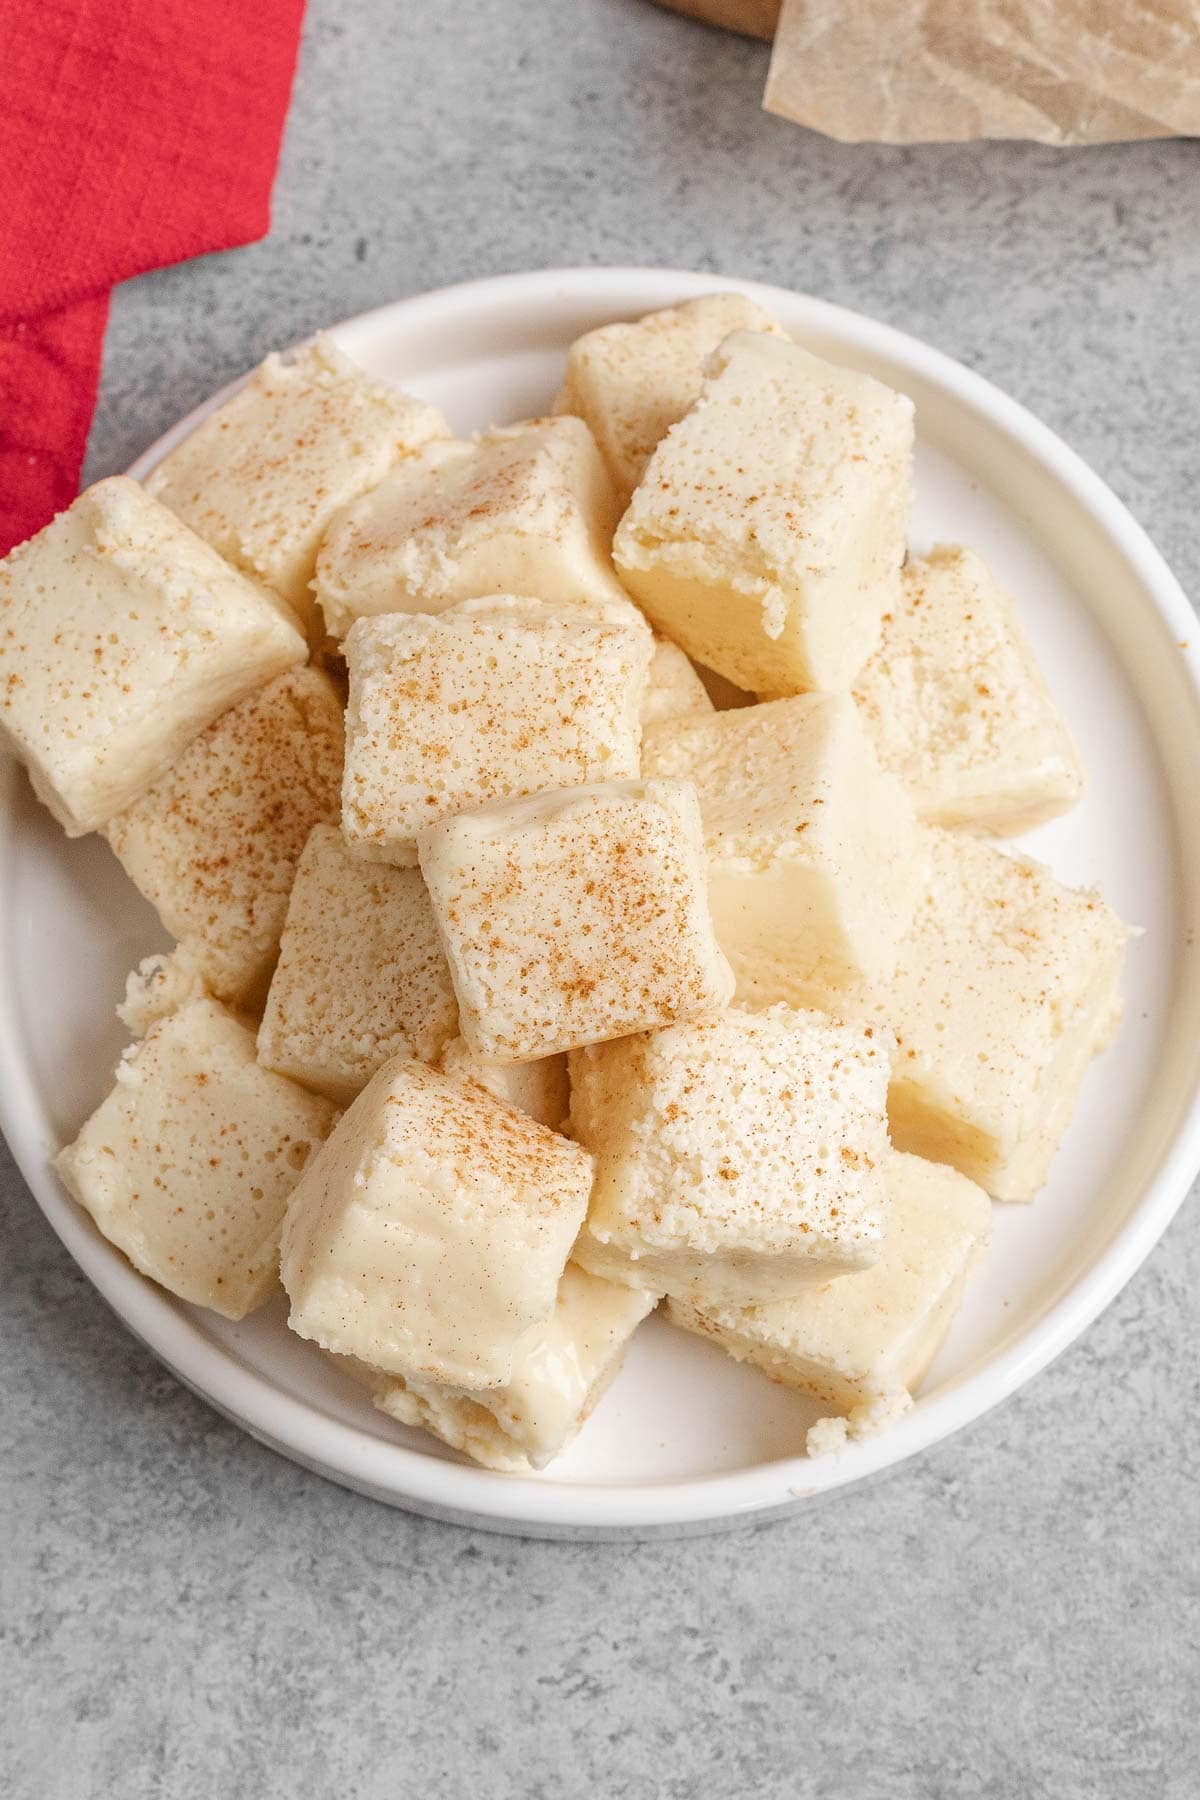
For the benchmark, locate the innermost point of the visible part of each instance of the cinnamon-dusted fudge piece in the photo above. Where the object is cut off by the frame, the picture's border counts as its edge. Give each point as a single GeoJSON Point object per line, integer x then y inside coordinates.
{"type": "Point", "coordinates": [361, 977]}
{"type": "Point", "coordinates": [957, 707]}
{"type": "Point", "coordinates": [261, 478]}
{"type": "Point", "coordinates": [862, 1344]}
{"type": "Point", "coordinates": [542, 1089]}
{"type": "Point", "coordinates": [574, 916]}
{"type": "Point", "coordinates": [525, 509]}
{"type": "Point", "coordinates": [214, 844]}
{"type": "Point", "coordinates": [1006, 987]}
{"type": "Point", "coordinates": [491, 698]}
{"type": "Point", "coordinates": [814, 855]}
{"type": "Point", "coordinates": [632, 382]}
{"type": "Point", "coordinates": [430, 1236]}
{"type": "Point", "coordinates": [187, 1166]}
{"type": "Point", "coordinates": [767, 534]}
{"type": "Point", "coordinates": [122, 635]}
{"type": "Point", "coordinates": [740, 1159]}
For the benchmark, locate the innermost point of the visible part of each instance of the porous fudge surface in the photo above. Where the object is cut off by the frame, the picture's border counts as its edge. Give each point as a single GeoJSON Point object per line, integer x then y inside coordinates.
{"type": "Point", "coordinates": [631, 382]}
{"type": "Point", "coordinates": [767, 534]}
{"type": "Point", "coordinates": [863, 1343]}
{"type": "Point", "coordinates": [575, 916]}
{"type": "Point", "coordinates": [558, 1377]}
{"type": "Point", "coordinates": [214, 844]}
{"type": "Point", "coordinates": [429, 1237]}
{"type": "Point", "coordinates": [188, 1164]}
{"type": "Point", "coordinates": [1006, 987]}
{"type": "Point", "coordinates": [673, 688]}
{"type": "Point", "coordinates": [957, 706]}
{"type": "Point", "coordinates": [526, 509]}
{"type": "Point", "coordinates": [261, 478]}
{"type": "Point", "coordinates": [161, 985]}
{"type": "Point", "coordinates": [122, 635]}
{"type": "Point", "coordinates": [741, 1158]}
{"type": "Point", "coordinates": [542, 1089]}
{"type": "Point", "coordinates": [491, 698]}
{"type": "Point", "coordinates": [362, 976]}
{"type": "Point", "coordinates": [814, 856]}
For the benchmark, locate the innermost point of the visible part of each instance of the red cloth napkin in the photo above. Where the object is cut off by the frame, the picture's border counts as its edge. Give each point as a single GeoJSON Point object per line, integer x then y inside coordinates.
{"type": "Point", "coordinates": [133, 133]}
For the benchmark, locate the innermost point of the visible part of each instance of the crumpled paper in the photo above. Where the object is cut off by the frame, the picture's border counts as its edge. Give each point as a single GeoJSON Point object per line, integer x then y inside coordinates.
{"type": "Point", "coordinates": [943, 71]}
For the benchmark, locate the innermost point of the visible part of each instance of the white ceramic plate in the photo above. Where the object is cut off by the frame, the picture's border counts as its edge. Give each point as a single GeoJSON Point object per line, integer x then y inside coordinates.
{"type": "Point", "coordinates": [686, 1439]}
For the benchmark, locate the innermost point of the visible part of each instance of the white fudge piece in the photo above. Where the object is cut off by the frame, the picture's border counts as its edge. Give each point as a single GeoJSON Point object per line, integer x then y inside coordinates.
{"type": "Point", "coordinates": [527, 509]}
{"type": "Point", "coordinates": [673, 688]}
{"type": "Point", "coordinates": [767, 534]}
{"type": "Point", "coordinates": [813, 852]}
{"type": "Point", "coordinates": [188, 1164]}
{"type": "Point", "coordinates": [214, 844]}
{"type": "Point", "coordinates": [362, 976]}
{"type": "Point", "coordinates": [576, 916]}
{"type": "Point", "coordinates": [429, 1237]}
{"type": "Point", "coordinates": [862, 1345]}
{"type": "Point", "coordinates": [957, 705]}
{"type": "Point", "coordinates": [122, 635]}
{"type": "Point", "coordinates": [160, 986]}
{"type": "Point", "coordinates": [558, 1377]}
{"type": "Point", "coordinates": [741, 1159]}
{"type": "Point", "coordinates": [261, 478]}
{"type": "Point", "coordinates": [632, 382]}
{"type": "Point", "coordinates": [1006, 988]}
{"type": "Point", "coordinates": [541, 1089]}
{"type": "Point", "coordinates": [491, 698]}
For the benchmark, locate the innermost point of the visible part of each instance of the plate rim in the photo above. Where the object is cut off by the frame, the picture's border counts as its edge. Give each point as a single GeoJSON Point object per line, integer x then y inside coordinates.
{"type": "Point", "coordinates": [464, 1493]}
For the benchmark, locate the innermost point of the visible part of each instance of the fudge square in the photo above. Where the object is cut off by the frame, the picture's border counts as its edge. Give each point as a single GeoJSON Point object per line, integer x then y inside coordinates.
{"type": "Point", "coordinates": [741, 1158]}
{"type": "Point", "coordinates": [122, 635]}
{"type": "Point", "coordinates": [575, 916]}
{"type": "Point", "coordinates": [188, 1164]}
{"type": "Point", "coordinates": [429, 1237]}
{"type": "Point", "coordinates": [361, 977]}
{"type": "Point", "coordinates": [863, 1343]}
{"type": "Point", "coordinates": [261, 478]}
{"type": "Point", "coordinates": [632, 382]}
{"type": "Point", "coordinates": [957, 706]}
{"type": "Point", "coordinates": [559, 1374]}
{"type": "Point", "coordinates": [814, 855]}
{"type": "Point", "coordinates": [1006, 987]}
{"type": "Point", "coordinates": [215, 843]}
{"type": "Point", "coordinates": [491, 698]}
{"type": "Point", "coordinates": [767, 534]}
{"type": "Point", "coordinates": [526, 509]}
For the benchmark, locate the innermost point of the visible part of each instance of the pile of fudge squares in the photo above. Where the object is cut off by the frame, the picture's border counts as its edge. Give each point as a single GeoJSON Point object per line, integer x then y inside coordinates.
{"type": "Point", "coordinates": [575, 842]}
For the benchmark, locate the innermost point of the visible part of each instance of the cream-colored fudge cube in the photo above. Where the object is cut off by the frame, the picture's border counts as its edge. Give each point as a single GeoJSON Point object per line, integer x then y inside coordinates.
{"type": "Point", "coordinates": [491, 698]}
{"type": "Point", "coordinates": [575, 916]}
{"type": "Point", "coordinates": [861, 1345]}
{"type": "Point", "coordinates": [673, 689]}
{"type": "Point", "coordinates": [429, 1237]}
{"type": "Point", "coordinates": [741, 1159]}
{"type": "Point", "coordinates": [813, 852]}
{"type": "Point", "coordinates": [122, 635]}
{"type": "Point", "coordinates": [527, 509]}
{"type": "Point", "coordinates": [632, 382]}
{"type": "Point", "coordinates": [261, 478]}
{"type": "Point", "coordinates": [558, 1376]}
{"type": "Point", "coordinates": [362, 976]}
{"type": "Point", "coordinates": [541, 1089]}
{"type": "Point", "coordinates": [1006, 987]}
{"type": "Point", "coordinates": [767, 534]}
{"type": "Point", "coordinates": [958, 708]}
{"type": "Point", "coordinates": [188, 1164]}
{"type": "Point", "coordinates": [214, 844]}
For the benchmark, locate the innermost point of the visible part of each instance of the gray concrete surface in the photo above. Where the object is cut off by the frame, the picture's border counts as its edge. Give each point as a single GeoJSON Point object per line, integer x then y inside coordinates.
{"type": "Point", "coordinates": [1014, 1617]}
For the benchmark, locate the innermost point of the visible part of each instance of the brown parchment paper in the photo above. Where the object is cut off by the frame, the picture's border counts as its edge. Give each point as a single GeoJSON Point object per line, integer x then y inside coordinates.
{"type": "Point", "coordinates": [941, 71]}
